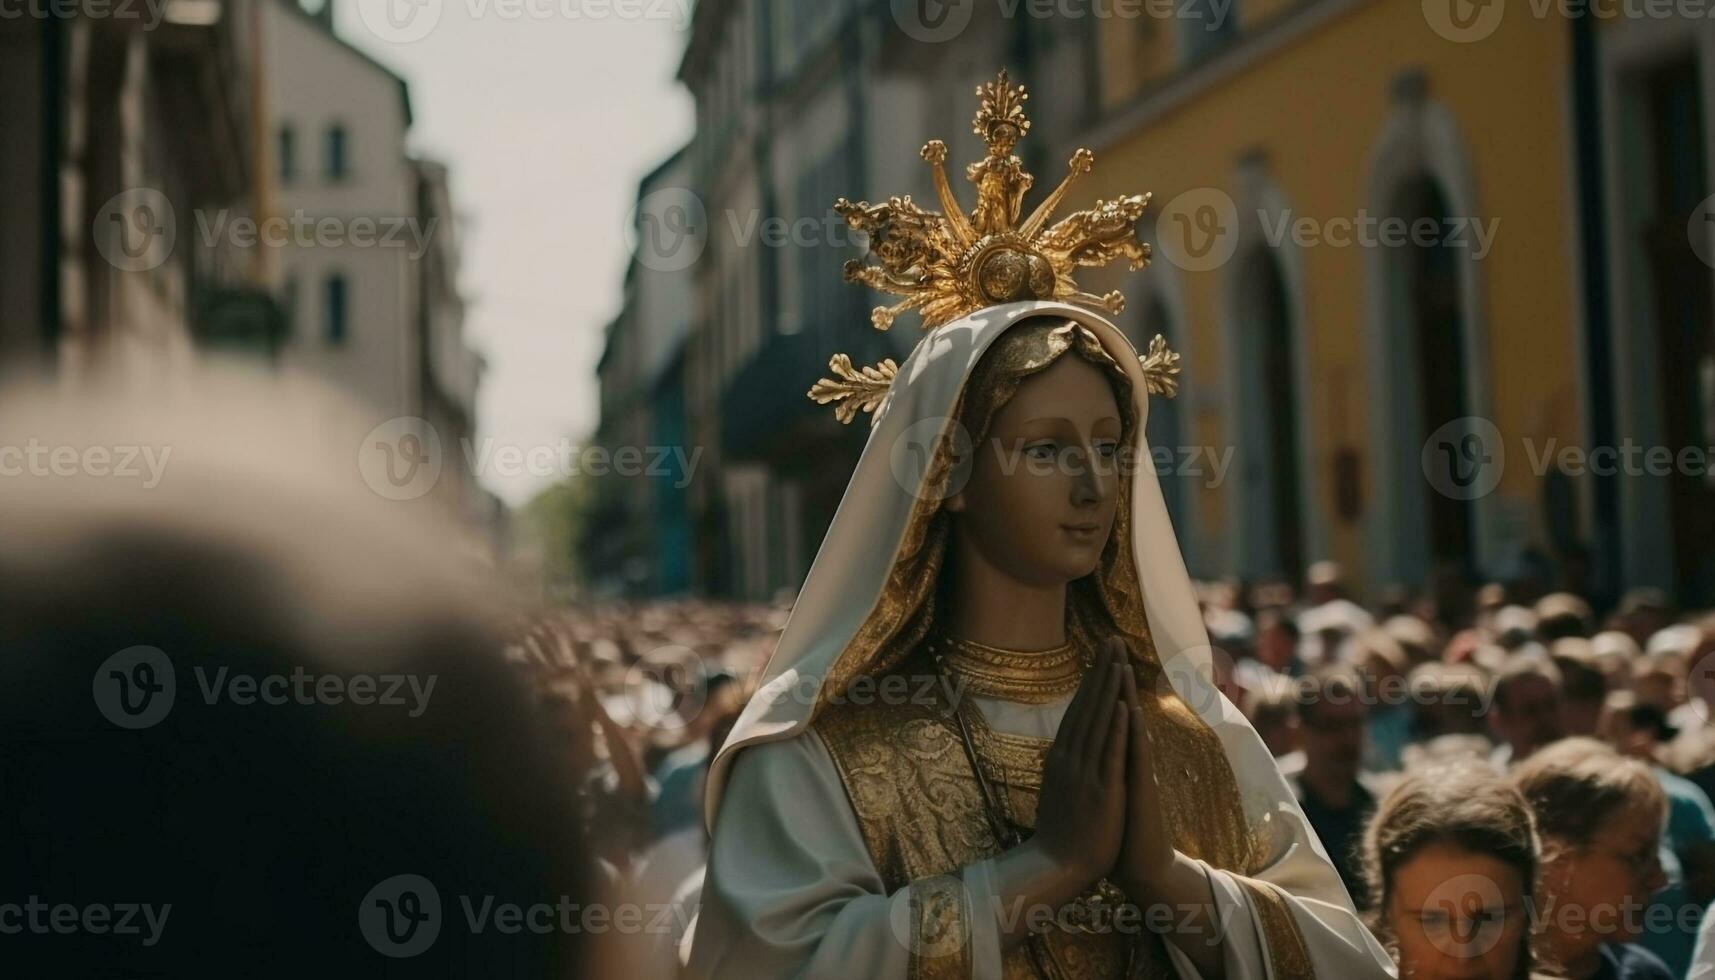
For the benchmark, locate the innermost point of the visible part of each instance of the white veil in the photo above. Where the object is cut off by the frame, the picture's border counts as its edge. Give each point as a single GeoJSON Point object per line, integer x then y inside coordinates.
{"type": "Point", "coordinates": [851, 568]}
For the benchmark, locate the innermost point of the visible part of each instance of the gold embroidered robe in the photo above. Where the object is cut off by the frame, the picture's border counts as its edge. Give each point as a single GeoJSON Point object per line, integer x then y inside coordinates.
{"type": "Point", "coordinates": [910, 784]}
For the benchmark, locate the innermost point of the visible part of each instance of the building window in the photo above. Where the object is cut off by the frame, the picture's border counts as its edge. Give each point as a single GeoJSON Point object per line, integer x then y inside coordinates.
{"type": "Point", "coordinates": [1209, 27]}
{"type": "Point", "coordinates": [289, 305]}
{"type": "Point", "coordinates": [337, 164]}
{"type": "Point", "coordinates": [288, 152]}
{"type": "Point", "coordinates": [334, 308]}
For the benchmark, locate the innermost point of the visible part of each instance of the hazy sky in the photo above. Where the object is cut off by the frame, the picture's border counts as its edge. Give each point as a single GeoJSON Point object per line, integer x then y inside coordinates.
{"type": "Point", "coordinates": [547, 112]}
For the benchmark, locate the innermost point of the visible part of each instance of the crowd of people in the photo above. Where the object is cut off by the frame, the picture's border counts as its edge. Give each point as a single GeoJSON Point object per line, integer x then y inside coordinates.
{"type": "Point", "coordinates": [1511, 782]}
{"type": "Point", "coordinates": [1503, 778]}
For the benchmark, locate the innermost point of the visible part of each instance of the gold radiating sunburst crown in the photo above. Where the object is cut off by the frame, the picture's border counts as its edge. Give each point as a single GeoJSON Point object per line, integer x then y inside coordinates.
{"type": "Point", "coordinates": [952, 264]}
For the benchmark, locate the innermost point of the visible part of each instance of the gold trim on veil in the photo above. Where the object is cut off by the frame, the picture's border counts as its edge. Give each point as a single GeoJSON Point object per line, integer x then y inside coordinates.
{"type": "Point", "coordinates": [904, 613]}
{"type": "Point", "coordinates": [1198, 786]}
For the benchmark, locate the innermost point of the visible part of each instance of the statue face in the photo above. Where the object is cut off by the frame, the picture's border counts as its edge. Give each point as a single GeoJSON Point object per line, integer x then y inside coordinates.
{"type": "Point", "coordinates": [1044, 486]}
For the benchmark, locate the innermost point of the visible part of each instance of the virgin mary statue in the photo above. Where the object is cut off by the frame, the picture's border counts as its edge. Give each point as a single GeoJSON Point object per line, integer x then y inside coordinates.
{"type": "Point", "coordinates": [987, 744]}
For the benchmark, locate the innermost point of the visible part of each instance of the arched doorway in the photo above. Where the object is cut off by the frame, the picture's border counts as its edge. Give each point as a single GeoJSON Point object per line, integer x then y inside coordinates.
{"type": "Point", "coordinates": [1430, 297]}
{"type": "Point", "coordinates": [1271, 511]}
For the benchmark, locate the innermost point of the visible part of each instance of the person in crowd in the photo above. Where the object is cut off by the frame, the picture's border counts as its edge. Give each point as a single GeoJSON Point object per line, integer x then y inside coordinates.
{"type": "Point", "coordinates": [1638, 730]}
{"type": "Point", "coordinates": [1643, 612]}
{"type": "Point", "coordinates": [1450, 864]}
{"type": "Point", "coordinates": [1277, 642]}
{"type": "Point", "coordinates": [1415, 636]}
{"type": "Point", "coordinates": [1384, 664]}
{"type": "Point", "coordinates": [1658, 677]}
{"type": "Point", "coordinates": [1332, 788]}
{"type": "Point", "coordinates": [1272, 707]}
{"type": "Point", "coordinates": [1560, 615]}
{"type": "Point", "coordinates": [1600, 816]}
{"type": "Point", "coordinates": [1451, 702]}
{"type": "Point", "coordinates": [1584, 686]}
{"type": "Point", "coordinates": [266, 707]}
{"type": "Point", "coordinates": [678, 798]}
{"type": "Point", "coordinates": [1525, 713]}
{"type": "Point", "coordinates": [1693, 750]}
{"type": "Point", "coordinates": [1329, 616]}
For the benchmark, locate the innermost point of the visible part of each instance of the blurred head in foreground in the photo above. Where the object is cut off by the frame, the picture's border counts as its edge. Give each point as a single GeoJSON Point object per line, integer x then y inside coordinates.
{"type": "Point", "coordinates": [255, 717]}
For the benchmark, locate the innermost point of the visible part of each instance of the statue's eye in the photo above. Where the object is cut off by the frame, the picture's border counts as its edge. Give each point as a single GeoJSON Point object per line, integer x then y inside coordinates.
{"type": "Point", "coordinates": [1107, 448]}
{"type": "Point", "coordinates": [1040, 450]}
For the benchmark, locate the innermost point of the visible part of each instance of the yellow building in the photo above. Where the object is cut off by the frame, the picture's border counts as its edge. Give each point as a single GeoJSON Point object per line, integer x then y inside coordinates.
{"type": "Point", "coordinates": [1374, 217]}
{"type": "Point", "coordinates": [1439, 269]}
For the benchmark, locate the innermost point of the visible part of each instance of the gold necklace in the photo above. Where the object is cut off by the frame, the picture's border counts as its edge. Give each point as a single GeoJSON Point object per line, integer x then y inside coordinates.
{"type": "Point", "coordinates": [1024, 676]}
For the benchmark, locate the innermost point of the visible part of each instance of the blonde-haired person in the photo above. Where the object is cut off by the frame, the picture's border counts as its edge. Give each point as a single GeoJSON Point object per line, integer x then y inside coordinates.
{"type": "Point", "coordinates": [1600, 816]}
{"type": "Point", "coordinates": [1451, 861]}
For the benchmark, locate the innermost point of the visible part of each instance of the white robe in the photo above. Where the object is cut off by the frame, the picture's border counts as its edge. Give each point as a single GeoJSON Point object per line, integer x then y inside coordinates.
{"type": "Point", "coordinates": [791, 890]}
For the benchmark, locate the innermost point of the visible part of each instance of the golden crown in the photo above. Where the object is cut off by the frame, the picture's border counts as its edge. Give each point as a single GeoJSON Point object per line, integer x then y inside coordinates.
{"type": "Point", "coordinates": [951, 264]}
